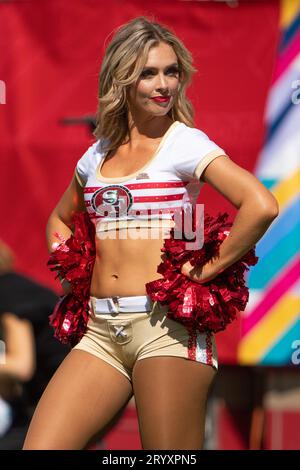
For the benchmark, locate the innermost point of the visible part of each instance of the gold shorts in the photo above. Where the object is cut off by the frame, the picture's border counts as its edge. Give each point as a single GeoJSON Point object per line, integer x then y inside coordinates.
{"type": "Point", "coordinates": [125, 338]}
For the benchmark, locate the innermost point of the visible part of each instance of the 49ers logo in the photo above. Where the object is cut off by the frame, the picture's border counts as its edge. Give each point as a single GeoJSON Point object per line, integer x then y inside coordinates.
{"type": "Point", "coordinates": [112, 201]}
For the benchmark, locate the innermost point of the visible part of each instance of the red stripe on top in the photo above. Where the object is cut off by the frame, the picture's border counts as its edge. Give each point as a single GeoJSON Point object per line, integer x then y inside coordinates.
{"type": "Point", "coordinates": [169, 197]}
{"type": "Point", "coordinates": [170, 184]}
{"type": "Point", "coordinates": [143, 199]}
{"type": "Point", "coordinates": [144, 212]}
{"type": "Point", "coordinates": [179, 184]}
{"type": "Point", "coordinates": [151, 211]}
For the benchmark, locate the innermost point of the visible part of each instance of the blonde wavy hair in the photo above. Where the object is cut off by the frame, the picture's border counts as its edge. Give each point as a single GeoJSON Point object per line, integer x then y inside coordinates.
{"type": "Point", "coordinates": [123, 62]}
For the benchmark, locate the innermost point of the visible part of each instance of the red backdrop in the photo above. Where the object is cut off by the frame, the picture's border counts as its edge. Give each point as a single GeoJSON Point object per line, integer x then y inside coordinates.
{"type": "Point", "coordinates": [51, 51]}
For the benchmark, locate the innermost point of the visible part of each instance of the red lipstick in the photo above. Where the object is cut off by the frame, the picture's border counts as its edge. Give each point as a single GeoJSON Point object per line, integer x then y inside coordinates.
{"type": "Point", "coordinates": [161, 99]}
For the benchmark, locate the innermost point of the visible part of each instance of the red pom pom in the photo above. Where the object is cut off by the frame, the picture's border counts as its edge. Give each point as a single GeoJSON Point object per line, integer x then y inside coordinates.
{"type": "Point", "coordinates": [210, 306]}
{"type": "Point", "coordinates": [74, 260]}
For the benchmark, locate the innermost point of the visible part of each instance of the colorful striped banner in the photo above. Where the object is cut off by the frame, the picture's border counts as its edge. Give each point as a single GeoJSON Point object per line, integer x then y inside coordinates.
{"type": "Point", "coordinates": [271, 322]}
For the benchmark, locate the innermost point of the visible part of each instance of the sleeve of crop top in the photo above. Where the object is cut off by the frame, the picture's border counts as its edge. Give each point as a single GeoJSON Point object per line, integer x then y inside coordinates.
{"type": "Point", "coordinates": [87, 164]}
{"type": "Point", "coordinates": [195, 152]}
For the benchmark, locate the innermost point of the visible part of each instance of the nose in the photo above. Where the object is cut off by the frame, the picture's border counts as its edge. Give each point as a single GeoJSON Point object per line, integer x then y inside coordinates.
{"type": "Point", "coordinates": [162, 82]}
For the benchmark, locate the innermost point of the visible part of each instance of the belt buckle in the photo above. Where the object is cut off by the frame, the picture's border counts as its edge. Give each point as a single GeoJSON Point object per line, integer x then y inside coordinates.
{"type": "Point", "coordinates": [115, 299]}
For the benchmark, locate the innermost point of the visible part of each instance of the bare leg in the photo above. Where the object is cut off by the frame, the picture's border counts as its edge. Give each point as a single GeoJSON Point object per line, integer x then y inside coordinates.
{"type": "Point", "coordinates": [84, 394]}
{"type": "Point", "coordinates": [171, 396]}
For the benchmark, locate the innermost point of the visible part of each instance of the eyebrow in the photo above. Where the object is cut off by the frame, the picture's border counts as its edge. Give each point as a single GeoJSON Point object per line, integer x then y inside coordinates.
{"type": "Point", "coordinates": [155, 68]}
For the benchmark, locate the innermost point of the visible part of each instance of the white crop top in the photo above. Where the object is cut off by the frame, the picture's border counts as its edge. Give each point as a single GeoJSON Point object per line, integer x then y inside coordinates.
{"type": "Point", "coordinates": [148, 197]}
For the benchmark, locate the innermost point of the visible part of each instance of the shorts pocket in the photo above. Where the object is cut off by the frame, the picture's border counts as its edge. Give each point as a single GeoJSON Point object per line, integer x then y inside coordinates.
{"type": "Point", "coordinates": [120, 331]}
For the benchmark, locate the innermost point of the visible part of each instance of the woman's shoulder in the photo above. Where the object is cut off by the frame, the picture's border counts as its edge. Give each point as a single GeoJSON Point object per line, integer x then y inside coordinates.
{"type": "Point", "coordinates": [94, 152]}
{"type": "Point", "coordinates": [192, 151]}
{"type": "Point", "coordinates": [193, 133]}
{"type": "Point", "coordinates": [96, 147]}
{"type": "Point", "coordinates": [89, 161]}
{"type": "Point", "coordinates": [190, 138]}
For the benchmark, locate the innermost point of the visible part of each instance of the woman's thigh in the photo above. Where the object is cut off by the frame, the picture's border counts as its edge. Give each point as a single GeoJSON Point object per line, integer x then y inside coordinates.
{"type": "Point", "coordinates": [84, 394]}
{"type": "Point", "coordinates": [171, 396]}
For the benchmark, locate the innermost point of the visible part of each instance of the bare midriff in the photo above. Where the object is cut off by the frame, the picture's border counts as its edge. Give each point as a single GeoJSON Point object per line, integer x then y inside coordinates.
{"type": "Point", "coordinates": [125, 262]}
{"type": "Point", "coordinates": [124, 265]}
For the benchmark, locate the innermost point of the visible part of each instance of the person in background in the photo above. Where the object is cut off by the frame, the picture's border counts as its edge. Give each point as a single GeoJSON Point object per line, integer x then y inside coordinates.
{"type": "Point", "coordinates": [29, 354]}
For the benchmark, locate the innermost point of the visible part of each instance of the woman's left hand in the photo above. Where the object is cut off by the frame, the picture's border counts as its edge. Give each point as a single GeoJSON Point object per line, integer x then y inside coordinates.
{"type": "Point", "coordinates": [201, 274]}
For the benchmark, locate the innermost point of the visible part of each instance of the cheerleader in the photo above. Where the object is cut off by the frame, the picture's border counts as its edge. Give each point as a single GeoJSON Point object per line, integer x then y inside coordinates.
{"type": "Point", "coordinates": [148, 162]}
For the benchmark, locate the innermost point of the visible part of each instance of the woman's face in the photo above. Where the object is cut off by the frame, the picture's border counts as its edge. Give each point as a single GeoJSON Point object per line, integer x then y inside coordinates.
{"type": "Point", "coordinates": [159, 77]}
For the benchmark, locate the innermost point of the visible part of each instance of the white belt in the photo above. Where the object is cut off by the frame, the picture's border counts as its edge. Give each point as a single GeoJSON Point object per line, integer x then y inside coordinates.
{"type": "Point", "coordinates": [117, 304]}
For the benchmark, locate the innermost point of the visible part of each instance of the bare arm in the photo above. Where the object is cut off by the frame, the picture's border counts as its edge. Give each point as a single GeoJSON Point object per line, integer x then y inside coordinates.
{"type": "Point", "coordinates": [257, 207]}
{"type": "Point", "coordinates": [257, 210]}
{"type": "Point", "coordinates": [60, 219]}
